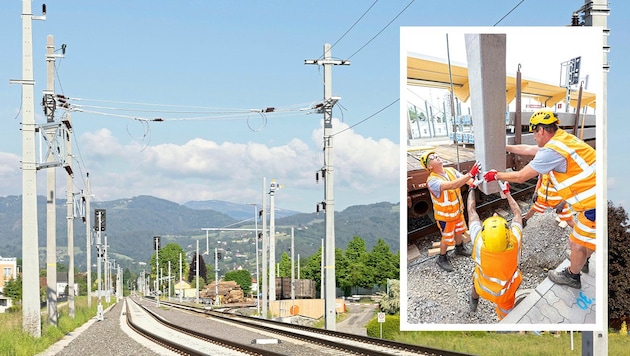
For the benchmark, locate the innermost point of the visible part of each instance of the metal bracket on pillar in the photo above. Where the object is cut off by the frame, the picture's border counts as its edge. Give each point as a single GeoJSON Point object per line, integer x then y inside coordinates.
{"type": "Point", "coordinates": [53, 148]}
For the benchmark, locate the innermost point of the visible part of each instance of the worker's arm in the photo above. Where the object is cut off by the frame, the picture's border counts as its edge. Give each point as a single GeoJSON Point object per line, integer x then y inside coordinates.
{"type": "Point", "coordinates": [472, 207]}
{"type": "Point", "coordinates": [516, 210]}
{"type": "Point", "coordinates": [455, 184]}
{"type": "Point", "coordinates": [517, 176]}
{"type": "Point", "coordinates": [526, 150]}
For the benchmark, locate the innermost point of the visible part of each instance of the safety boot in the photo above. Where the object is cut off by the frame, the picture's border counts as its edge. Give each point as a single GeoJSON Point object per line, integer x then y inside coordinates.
{"type": "Point", "coordinates": [565, 277]}
{"type": "Point", "coordinates": [463, 250]}
{"type": "Point", "coordinates": [444, 263]}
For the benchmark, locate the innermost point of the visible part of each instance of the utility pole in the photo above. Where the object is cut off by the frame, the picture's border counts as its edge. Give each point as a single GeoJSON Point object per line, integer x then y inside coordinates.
{"type": "Point", "coordinates": [197, 272]}
{"type": "Point", "coordinates": [272, 241]}
{"type": "Point", "coordinates": [156, 241]}
{"type": "Point", "coordinates": [329, 102]}
{"type": "Point", "coordinates": [99, 217]}
{"type": "Point", "coordinates": [31, 316]}
{"type": "Point", "coordinates": [70, 214]}
{"type": "Point", "coordinates": [107, 277]}
{"type": "Point", "coordinates": [292, 265]}
{"type": "Point", "coordinates": [181, 291]}
{"type": "Point", "coordinates": [51, 182]}
{"type": "Point", "coordinates": [257, 269]}
{"type": "Point", "coordinates": [88, 240]}
{"type": "Point", "coordinates": [264, 249]}
{"type": "Point", "coordinates": [217, 300]}
{"type": "Point", "coordinates": [596, 13]}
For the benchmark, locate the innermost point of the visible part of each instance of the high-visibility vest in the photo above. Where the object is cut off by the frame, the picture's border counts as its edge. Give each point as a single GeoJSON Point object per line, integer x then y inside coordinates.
{"type": "Point", "coordinates": [449, 204]}
{"type": "Point", "coordinates": [577, 185]}
{"type": "Point", "coordinates": [497, 273]}
{"type": "Point", "coordinates": [547, 193]}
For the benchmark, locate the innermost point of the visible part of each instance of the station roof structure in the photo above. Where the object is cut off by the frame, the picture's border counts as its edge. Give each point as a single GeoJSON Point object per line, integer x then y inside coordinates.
{"type": "Point", "coordinates": [433, 73]}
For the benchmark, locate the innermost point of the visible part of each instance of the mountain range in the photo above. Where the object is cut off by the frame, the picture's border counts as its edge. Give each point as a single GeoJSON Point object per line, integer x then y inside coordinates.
{"type": "Point", "coordinates": [132, 223]}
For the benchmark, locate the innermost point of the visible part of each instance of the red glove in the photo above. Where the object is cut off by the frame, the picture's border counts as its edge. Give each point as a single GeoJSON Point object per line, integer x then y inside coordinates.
{"type": "Point", "coordinates": [491, 175]}
{"type": "Point", "coordinates": [475, 170]}
{"type": "Point", "coordinates": [505, 186]}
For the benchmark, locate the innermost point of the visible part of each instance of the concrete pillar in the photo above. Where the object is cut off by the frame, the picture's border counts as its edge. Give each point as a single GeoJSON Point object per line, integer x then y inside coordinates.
{"type": "Point", "coordinates": [486, 75]}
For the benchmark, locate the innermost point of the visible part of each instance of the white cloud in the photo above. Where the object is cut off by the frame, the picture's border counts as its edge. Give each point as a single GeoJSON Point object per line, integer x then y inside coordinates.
{"type": "Point", "coordinates": [201, 169]}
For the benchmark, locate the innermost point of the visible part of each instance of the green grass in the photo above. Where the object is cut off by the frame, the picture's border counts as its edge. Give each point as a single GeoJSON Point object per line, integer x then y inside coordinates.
{"type": "Point", "coordinates": [494, 343]}
{"type": "Point", "coordinates": [15, 342]}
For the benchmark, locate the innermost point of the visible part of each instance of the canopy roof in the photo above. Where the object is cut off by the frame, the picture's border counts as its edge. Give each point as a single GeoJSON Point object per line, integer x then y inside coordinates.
{"type": "Point", "coordinates": [435, 74]}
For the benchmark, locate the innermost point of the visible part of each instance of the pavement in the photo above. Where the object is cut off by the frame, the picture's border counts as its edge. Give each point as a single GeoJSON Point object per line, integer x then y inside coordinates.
{"type": "Point", "coordinates": [550, 303]}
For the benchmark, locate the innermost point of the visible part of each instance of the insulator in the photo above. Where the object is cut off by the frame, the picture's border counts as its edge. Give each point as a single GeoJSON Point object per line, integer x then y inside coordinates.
{"type": "Point", "coordinates": [316, 177]}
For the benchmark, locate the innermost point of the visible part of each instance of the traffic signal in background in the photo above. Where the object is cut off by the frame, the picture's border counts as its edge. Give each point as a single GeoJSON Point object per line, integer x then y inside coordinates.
{"type": "Point", "coordinates": [99, 219]}
{"type": "Point", "coordinates": [219, 256]}
{"type": "Point", "coordinates": [156, 242]}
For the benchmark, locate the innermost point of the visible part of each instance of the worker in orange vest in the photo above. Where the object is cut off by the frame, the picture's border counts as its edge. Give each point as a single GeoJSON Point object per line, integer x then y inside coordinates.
{"type": "Point", "coordinates": [444, 184]}
{"type": "Point", "coordinates": [496, 251]}
{"type": "Point", "coordinates": [571, 165]}
{"type": "Point", "coordinates": [546, 196]}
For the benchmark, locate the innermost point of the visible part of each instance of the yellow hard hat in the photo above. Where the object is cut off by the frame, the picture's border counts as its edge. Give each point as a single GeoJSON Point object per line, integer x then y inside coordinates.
{"type": "Point", "coordinates": [542, 116]}
{"type": "Point", "coordinates": [495, 234]}
{"type": "Point", "coordinates": [424, 159]}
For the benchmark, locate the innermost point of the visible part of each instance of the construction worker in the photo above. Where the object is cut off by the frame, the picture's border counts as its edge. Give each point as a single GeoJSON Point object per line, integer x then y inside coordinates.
{"type": "Point", "coordinates": [570, 163]}
{"type": "Point", "coordinates": [496, 251]}
{"type": "Point", "coordinates": [448, 205]}
{"type": "Point", "coordinates": [546, 196]}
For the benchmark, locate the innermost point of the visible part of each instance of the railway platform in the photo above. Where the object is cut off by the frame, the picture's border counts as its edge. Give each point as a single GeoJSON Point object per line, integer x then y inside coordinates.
{"type": "Point", "coordinates": [550, 303]}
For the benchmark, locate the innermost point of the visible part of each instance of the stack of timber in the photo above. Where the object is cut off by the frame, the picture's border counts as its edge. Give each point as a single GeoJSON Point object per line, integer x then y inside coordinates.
{"type": "Point", "coordinates": [229, 292]}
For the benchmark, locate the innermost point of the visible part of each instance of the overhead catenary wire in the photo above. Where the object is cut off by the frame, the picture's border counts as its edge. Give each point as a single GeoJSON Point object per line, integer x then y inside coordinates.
{"type": "Point", "coordinates": [381, 31]}
{"type": "Point", "coordinates": [509, 12]}
{"type": "Point", "coordinates": [351, 27]}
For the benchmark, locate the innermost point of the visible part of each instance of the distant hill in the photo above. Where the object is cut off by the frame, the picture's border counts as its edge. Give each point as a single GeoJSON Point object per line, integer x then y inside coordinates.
{"type": "Point", "coordinates": [236, 211]}
{"type": "Point", "coordinates": [132, 223]}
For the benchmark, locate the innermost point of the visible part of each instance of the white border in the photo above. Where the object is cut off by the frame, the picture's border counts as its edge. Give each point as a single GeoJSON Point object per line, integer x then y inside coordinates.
{"type": "Point", "coordinates": [545, 42]}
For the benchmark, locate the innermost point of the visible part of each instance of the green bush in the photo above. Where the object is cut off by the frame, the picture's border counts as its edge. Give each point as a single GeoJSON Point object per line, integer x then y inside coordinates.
{"type": "Point", "coordinates": [391, 327]}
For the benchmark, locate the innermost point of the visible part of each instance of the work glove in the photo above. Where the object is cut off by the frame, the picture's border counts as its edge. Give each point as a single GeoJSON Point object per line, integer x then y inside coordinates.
{"type": "Point", "coordinates": [534, 197]}
{"type": "Point", "coordinates": [560, 206]}
{"type": "Point", "coordinates": [491, 175]}
{"type": "Point", "coordinates": [475, 170]}
{"type": "Point", "coordinates": [475, 183]}
{"type": "Point", "coordinates": [505, 186]}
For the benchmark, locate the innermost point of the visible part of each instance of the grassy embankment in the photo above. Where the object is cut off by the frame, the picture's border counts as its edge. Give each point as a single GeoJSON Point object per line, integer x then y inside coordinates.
{"type": "Point", "coordinates": [14, 341]}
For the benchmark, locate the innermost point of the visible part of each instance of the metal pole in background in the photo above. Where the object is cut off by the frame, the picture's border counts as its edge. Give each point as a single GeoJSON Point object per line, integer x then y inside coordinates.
{"type": "Point", "coordinates": [51, 182]}
{"type": "Point", "coordinates": [70, 216]}
{"type": "Point", "coordinates": [181, 292]}
{"type": "Point", "coordinates": [257, 269]}
{"type": "Point", "coordinates": [328, 104]}
{"type": "Point", "coordinates": [272, 242]}
{"type": "Point", "coordinates": [197, 273]}
{"type": "Point", "coordinates": [88, 238]}
{"type": "Point", "coordinates": [292, 265]}
{"type": "Point", "coordinates": [264, 250]}
{"type": "Point", "coordinates": [217, 298]}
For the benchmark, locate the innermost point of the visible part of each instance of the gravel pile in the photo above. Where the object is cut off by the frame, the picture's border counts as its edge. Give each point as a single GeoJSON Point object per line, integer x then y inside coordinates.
{"type": "Point", "coordinates": [438, 297]}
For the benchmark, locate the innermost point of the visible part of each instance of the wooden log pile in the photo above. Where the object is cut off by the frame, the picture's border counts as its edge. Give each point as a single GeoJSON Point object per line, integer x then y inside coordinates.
{"type": "Point", "coordinates": [229, 292]}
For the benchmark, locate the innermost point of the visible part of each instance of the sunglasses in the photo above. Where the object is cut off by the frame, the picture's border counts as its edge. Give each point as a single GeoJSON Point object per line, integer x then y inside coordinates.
{"type": "Point", "coordinates": [430, 157]}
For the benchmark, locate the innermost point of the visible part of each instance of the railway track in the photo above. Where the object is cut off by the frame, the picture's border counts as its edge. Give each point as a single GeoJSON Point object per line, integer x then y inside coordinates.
{"type": "Point", "coordinates": [318, 341]}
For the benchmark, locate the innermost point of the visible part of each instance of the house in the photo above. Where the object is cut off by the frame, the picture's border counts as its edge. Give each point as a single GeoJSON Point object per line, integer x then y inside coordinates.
{"type": "Point", "coordinates": [185, 288]}
{"type": "Point", "coordinates": [8, 266]}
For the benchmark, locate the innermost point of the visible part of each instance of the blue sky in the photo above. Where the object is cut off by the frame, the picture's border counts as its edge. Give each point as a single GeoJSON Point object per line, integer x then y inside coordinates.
{"type": "Point", "coordinates": [246, 55]}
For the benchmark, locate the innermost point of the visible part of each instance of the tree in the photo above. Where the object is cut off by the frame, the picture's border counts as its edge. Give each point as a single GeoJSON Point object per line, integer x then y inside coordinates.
{"type": "Point", "coordinates": [356, 274]}
{"type": "Point", "coordinates": [618, 265]}
{"type": "Point", "coordinates": [285, 265]}
{"type": "Point", "coordinates": [341, 269]}
{"type": "Point", "coordinates": [383, 264]}
{"type": "Point", "coordinates": [170, 252]}
{"type": "Point", "coordinates": [312, 268]}
{"type": "Point", "coordinates": [242, 277]}
{"type": "Point", "coordinates": [13, 288]}
{"type": "Point", "coordinates": [390, 301]}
